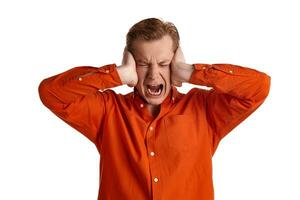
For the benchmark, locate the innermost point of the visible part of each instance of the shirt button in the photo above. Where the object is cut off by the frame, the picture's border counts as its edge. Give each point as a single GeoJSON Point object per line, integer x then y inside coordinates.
{"type": "Point", "coordinates": [80, 79]}
{"type": "Point", "coordinates": [151, 128]}
{"type": "Point", "coordinates": [141, 105]}
{"type": "Point", "coordinates": [155, 180]}
{"type": "Point", "coordinates": [152, 153]}
{"type": "Point", "coordinates": [230, 71]}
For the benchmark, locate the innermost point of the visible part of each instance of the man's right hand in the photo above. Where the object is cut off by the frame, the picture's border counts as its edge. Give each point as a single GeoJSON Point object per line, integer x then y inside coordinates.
{"type": "Point", "coordinates": [127, 71]}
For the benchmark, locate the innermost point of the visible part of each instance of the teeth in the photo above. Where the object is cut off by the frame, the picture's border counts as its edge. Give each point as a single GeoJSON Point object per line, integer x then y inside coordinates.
{"type": "Point", "coordinates": [154, 92]}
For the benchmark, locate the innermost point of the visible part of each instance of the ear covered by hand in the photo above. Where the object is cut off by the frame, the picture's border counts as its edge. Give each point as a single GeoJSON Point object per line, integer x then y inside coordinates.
{"type": "Point", "coordinates": [127, 71]}
{"type": "Point", "coordinates": [177, 61]}
{"type": "Point", "coordinates": [180, 71]}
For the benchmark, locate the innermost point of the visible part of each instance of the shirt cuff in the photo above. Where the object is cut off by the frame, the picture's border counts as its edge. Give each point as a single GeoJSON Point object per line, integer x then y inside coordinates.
{"type": "Point", "coordinates": [198, 73]}
{"type": "Point", "coordinates": [111, 69]}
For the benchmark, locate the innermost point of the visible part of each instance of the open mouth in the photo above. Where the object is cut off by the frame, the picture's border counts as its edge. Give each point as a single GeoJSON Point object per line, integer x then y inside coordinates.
{"type": "Point", "coordinates": [155, 90]}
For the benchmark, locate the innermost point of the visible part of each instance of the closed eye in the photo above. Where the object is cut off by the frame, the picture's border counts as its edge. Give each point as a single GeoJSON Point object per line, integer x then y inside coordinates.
{"type": "Point", "coordinates": [146, 65]}
{"type": "Point", "coordinates": [143, 65]}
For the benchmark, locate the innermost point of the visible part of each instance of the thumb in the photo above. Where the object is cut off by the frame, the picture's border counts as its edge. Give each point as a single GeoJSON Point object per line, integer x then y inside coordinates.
{"type": "Point", "coordinates": [176, 83]}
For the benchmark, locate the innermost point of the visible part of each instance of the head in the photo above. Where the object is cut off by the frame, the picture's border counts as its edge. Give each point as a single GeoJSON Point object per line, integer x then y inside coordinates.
{"type": "Point", "coordinates": [153, 43]}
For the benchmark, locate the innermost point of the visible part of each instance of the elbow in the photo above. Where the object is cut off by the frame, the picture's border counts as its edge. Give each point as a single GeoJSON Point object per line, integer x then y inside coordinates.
{"type": "Point", "coordinates": [264, 89]}
{"type": "Point", "coordinates": [43, 90]}
{"type": "Point", "coordinates": [265, 86]}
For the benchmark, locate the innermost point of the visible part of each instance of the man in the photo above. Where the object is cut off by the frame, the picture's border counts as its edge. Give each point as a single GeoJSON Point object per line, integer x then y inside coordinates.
{"type": "Point", "coordinates": [155, 142]}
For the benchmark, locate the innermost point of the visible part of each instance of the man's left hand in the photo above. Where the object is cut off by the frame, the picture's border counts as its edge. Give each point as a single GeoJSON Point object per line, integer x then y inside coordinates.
{"type": "Point", "coordinates": [180, 71]}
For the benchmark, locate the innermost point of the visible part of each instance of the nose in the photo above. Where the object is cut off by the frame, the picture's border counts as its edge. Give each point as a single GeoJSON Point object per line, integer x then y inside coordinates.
{"type": "Point", "coordinates": [153, 72]}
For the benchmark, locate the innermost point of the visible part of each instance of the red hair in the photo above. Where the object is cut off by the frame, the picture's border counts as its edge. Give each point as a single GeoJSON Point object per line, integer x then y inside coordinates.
{"type": "Point", "coordinates": [152, 29]}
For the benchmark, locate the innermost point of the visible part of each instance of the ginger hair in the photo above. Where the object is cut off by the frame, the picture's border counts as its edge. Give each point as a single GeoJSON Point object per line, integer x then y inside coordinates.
{"type": "Point", "coordinates": [152, 29]}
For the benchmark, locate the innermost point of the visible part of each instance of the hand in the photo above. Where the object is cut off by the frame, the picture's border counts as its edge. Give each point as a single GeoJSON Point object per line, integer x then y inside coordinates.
{"type": "Point", "coordinates": [127, 71]}
{"type": "Point", "coordinates": [180, 71]}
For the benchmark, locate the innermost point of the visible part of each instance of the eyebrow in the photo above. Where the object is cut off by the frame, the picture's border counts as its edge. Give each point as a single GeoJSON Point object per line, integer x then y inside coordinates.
{"type": "Point", "coordinates": [164, 61]}
{"type": "Point", "coordinates": [145, 61]}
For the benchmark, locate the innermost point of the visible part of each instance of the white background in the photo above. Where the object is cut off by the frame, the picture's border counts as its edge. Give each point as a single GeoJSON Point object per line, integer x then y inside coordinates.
{"type": "Point", "coordinates": [43, 158]}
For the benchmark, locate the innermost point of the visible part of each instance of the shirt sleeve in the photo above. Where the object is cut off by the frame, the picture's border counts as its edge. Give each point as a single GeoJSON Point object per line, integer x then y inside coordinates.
{"type": "Point", "coordinates": [236, 93]}
{"type": "Point", "coordinates": [74, 97]}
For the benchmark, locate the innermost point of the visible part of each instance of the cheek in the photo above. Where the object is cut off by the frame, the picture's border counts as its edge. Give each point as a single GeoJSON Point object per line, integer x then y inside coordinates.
{"type": "Point", "coordinates": [141, 75]}
{"type": "Point", "coordinates": [166, 74]}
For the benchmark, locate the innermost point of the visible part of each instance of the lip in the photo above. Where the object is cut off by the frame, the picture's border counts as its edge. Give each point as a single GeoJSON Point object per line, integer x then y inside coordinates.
{"type": "Point", "coordinates": [153, 84]}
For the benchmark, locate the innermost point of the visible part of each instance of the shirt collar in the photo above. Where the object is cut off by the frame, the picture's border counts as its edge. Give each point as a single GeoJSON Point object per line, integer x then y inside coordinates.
{"type": "Point", "coordinates": [165, 106]}
{"type": "Point", "coordinates": [170, 99]}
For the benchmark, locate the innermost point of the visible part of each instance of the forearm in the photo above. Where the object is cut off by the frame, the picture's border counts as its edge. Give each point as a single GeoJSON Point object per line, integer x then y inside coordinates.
{"type": "Point", "coordinates": [68, 86]}
{"type": "Point", "coordinates": [237, 81]}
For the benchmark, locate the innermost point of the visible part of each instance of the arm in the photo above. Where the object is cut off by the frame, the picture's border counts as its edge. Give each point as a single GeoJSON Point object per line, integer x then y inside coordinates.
{"type": "Point", "coordinates": [74, 95]}
{"type": "Point", "coordinates": [236, 92]}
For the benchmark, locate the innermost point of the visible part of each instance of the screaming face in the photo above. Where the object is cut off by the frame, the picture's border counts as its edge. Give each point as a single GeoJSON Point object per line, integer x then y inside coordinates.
{"type": "Point", "coordinates": [153, 60]}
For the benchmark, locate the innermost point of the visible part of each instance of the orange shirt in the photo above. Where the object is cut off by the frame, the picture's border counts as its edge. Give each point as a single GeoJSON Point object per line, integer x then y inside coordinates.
{"type": "Point", "coordinates": [168, 157]}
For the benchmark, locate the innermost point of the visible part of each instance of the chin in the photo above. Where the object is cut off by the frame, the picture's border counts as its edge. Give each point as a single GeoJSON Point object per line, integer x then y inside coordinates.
{"type": "Point", "coordinates": [155, 102]}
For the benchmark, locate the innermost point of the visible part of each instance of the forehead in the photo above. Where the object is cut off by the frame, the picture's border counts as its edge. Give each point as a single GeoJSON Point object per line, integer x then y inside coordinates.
{"type": "Point", "coordinates": [159, 49]}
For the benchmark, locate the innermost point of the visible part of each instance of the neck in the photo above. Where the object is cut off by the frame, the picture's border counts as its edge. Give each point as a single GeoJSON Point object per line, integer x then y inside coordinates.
{"type": "Point", "coordinates": [154, 109]}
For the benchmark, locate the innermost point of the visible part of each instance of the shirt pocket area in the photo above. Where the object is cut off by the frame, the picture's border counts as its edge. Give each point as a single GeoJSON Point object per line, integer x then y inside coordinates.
{"type": "Point", "coordinates": [181, 132]}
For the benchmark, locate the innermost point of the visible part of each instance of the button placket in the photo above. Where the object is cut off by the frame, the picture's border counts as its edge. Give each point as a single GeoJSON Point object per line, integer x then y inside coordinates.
{"type": "Point", "coordinates": [150, 131]}
{"type": "Point", "coordinates": [152, 154]}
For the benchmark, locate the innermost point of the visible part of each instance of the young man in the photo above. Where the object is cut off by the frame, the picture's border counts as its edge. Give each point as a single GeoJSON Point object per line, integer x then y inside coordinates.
{"type": "Point", "coordinates": [155, 142]}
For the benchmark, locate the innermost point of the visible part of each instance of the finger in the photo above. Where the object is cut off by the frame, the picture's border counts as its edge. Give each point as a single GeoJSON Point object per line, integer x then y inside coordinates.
{"type": "Point", "coordinates": [132, 84]}
{"type": "Point", "coordinates": [176, 83]}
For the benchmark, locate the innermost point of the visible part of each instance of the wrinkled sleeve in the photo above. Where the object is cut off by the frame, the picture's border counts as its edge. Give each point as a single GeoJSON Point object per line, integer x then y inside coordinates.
{"type": "Point", "coordinates": [236, 93]}
{"type": "Point", "coordinates": [79, 98]}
